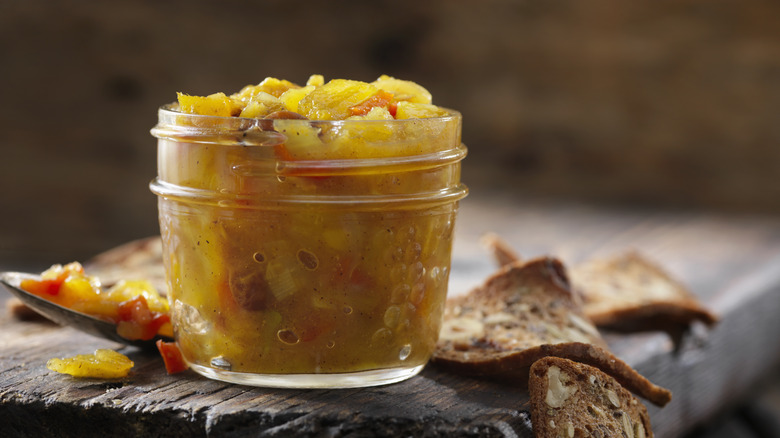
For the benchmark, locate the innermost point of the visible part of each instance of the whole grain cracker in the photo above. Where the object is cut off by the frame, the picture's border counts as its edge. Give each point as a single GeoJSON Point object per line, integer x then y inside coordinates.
{"type": "Point", "coordinates": [522, 313]}
{"type": "Point", "coordinates": [571, 399]}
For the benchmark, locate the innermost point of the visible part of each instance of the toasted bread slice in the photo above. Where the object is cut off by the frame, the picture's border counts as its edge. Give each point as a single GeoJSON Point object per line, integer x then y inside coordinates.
{"type": "Point", "coordinates": [525, 312]}
{"type": "Point", "coordinates": [629, 292]}
{"type": "Point", "coordinates": [571, 399]}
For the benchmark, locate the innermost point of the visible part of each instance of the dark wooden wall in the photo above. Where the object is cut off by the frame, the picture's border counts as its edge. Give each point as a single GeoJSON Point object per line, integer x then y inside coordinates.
{"type": "Point", "coordinates": [653, 103]}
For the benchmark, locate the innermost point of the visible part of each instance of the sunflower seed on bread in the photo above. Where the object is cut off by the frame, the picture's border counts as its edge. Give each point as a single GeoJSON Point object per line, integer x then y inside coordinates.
{"type": "Point", "coordinates": [522, 313]}
{"type": "Point", "coordinates": [629, 292]}
{"type": "Point", "coordinates": [571, 399]}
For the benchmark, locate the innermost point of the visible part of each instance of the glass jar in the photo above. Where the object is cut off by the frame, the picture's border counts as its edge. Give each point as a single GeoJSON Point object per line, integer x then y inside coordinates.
{"type": "Point", "coordinates": [305, 253]}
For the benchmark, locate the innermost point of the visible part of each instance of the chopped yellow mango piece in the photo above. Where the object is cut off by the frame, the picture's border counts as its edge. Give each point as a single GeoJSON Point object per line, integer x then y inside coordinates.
{"type": "Point", "coordinates": [78, 288]}
{"type": "Point", "coordinates": [403, 90]}
{"type": "Point", "coordinates": [333, 100]}
{"type": "Point", "coordinates": [254, 110]}
{"type": "Point", "coordinates": [409, 110]}
{"type": "Point", "coordinates": [103, 364]}
{"type": "Point", "coordinates": [315, 81]}
{"type": "Point", "coordinates": [125, 290]}
{"type": "Point", "coordinates": [274, 87]}
{"type": "Point", "coordinates": [217, 104]}
{"type": "Point", "coordinates": [293, 96]}
{"type": "Point", "coordinates": [307, 144]}
{"type": "Point", "coordinates": [260, 105]}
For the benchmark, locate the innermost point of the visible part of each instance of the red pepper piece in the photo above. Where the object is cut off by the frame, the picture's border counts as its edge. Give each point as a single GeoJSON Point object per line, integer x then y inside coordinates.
{"type": "Point", "coordinates": [381, 99]}
{"type": "Point", "coordinates": [174, 361]}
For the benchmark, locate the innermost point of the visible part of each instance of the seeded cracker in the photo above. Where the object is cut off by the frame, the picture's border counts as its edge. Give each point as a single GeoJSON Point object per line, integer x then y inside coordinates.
{"type": "Point", "coordinates": [522, 313]}
{"type": "Point", "coordinates": [625, 292]}
{"type": "Point", "coordinates": [570, 399]}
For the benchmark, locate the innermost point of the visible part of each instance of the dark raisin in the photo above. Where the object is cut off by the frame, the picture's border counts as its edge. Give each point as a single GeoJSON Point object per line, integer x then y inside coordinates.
{"type": "Point", "coordinates": [249, 289]}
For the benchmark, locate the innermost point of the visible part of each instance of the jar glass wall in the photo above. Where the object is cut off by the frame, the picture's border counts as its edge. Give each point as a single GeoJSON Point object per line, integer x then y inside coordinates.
{"type": "Point", "coordinates": [307, 254]}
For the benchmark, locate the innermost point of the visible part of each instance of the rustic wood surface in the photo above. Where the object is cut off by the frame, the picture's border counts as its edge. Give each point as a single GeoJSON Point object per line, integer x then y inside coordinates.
{"type": "Point", "coordinates": [731, 263]}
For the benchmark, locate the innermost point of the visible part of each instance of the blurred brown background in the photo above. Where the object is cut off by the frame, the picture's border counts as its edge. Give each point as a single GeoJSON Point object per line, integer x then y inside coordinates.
{"type": "Point", "coordinates": [659, 104]}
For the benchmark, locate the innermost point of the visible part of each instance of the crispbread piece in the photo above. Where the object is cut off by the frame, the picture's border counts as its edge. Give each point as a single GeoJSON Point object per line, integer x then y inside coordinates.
{"type": "Point", "coordinates": [626, 292]}
{"type": "Point", "coordinates": [525, 312]}
{"type": "Point", "coordinates": [522, 305]}
{"type": "Point", "coordinates": [571, 399]}
{"type": "Point", "coordinates": [631, 293]}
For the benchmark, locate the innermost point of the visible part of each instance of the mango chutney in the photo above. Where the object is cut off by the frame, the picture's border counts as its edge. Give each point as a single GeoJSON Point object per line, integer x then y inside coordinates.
{"type": "Point", "coordinates": [307, 230]}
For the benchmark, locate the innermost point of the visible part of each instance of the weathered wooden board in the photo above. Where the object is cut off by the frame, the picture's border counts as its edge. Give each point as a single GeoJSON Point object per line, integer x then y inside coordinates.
{"type": "Point", "coordinates": [151, 403]}
{"type": "Point", "coordinates": [732, 263]}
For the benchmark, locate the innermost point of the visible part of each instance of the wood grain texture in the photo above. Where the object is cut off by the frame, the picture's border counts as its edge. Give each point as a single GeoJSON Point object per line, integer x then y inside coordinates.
{"type": "Point", "coordinates": [731, 263]}
{"type": "Point", "coordinates": [36, 402]}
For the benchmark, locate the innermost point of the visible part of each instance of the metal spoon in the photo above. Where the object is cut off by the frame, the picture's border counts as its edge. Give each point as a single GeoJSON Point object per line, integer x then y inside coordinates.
{"type": "Point", "coordinates": [68, 317]}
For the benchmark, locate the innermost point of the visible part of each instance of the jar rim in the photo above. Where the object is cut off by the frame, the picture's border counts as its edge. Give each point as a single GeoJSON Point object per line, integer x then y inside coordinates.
{"type": "Point", "coordinates": [198, 128]}
{"type": "Point", "coordinates": [170, 108]}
